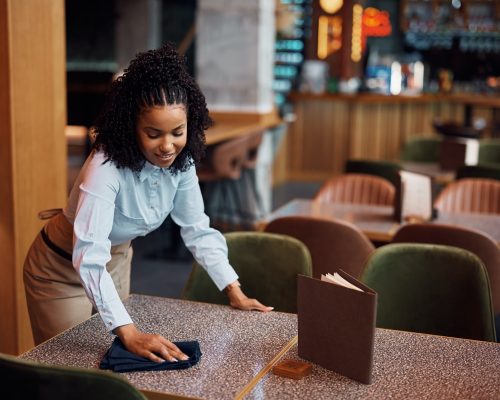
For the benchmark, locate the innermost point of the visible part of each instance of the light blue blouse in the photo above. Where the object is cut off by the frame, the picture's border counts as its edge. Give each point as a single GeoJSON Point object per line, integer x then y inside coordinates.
{"type": "Point", "coordinates": [110, 205]}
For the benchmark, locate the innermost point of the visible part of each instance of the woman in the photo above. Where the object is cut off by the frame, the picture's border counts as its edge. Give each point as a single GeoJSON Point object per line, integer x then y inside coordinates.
{"type": "Point", "coordinates": [149, 137]}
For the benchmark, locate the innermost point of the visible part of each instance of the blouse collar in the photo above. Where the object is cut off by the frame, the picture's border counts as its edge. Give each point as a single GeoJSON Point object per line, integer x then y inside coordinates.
{"type": "Point", "coordinates": [149, 169]}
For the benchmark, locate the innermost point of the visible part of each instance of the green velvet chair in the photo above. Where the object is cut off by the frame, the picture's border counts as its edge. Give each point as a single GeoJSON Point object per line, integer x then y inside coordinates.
{"type": "Point", "coordinates": [475, 241]}
{"type": "Point", "coordinates": [29, 380]}
{"type": "Point", "coordinates": [421, 149]}
{"type": "Point", "coordinates": [267, 265]}
{"type": "Point", "coordinates": [489, 151]}
{"type": "Point", "coordinates": [386, 169]}
{"type": "Point", "coordinates": [435, 289]}
{"type": "Point", "coordinates": [491, 171]}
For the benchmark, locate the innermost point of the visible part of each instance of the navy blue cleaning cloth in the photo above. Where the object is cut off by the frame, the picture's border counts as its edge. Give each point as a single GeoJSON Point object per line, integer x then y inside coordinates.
{"type": "Point", "coordinates": [119, 359]}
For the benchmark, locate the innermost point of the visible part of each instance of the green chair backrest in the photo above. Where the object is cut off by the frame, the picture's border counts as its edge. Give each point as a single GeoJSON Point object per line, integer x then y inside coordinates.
{"type": "Point", "coordinates": [267, 265]}
{"type": "Point", "coordinates": [30, 380]}
{"type": "Point", "coordinates": [491, 171]}
{"type": "Point", "coordinates": [422, 149]}
{"type": "Point", "coordinates": [434, 289]}
{"type": "Point", "coordinates": [489, 151]}
{"type": "Point", "coordinates": [385, 169]}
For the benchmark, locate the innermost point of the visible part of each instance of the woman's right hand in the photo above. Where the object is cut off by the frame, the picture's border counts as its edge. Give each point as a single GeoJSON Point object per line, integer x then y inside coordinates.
{"type": "Point", "coordinates": [152, 346]}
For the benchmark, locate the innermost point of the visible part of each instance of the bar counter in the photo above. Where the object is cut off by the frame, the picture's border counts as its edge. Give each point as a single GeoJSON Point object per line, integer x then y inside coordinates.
{"type": "Point", "coordinates": [230, 125]}
{"type": "Point", "coordinates": [475, 99]}
{"type": "Point", "coordinates": [332, 128]}
{"type": "Point", "coordinates": [239, 349]}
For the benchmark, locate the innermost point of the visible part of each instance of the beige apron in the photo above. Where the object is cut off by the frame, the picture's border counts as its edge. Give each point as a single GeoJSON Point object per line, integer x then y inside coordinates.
{"type": "Point", "coordinates": [55, 296]}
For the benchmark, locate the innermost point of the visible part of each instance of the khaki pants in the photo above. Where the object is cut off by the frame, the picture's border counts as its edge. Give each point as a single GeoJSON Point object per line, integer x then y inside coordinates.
{"type": "Point", "coordinates": [55, 296]}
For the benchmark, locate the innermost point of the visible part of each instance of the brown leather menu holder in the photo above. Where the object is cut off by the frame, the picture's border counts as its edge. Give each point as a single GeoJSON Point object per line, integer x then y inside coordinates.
{"type": "Point", "coordinates": [452, 154]}
{"type": "Point", "coordinates": [336, 326]}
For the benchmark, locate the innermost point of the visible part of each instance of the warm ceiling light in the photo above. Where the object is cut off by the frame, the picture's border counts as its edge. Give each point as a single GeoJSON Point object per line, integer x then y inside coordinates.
{"type": "Point", "coordinates": [331, 6]}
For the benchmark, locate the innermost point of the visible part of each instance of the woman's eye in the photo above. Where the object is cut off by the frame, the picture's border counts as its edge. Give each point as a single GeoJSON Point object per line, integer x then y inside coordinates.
{"type": "Point", "coordinates": [178, 133]}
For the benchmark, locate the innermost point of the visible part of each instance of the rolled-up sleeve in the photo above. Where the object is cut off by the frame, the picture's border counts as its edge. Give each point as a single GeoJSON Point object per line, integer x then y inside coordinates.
{"type": "Point", "coordinates": [91, 250]}
{"type": "Point", "coordinates": [207, 245]}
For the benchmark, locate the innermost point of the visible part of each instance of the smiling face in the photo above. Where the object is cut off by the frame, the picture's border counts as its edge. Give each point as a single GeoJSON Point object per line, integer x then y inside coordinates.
{"type": "Point", "coordinates": [162, 133]}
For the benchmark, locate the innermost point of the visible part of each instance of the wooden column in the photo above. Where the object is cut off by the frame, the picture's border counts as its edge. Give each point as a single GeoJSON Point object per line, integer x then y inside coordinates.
{"type": "Point", "coordinates": [33, 146]}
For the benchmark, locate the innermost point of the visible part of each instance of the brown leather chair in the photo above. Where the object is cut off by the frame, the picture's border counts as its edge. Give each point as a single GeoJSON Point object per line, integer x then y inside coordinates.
{"type": "Point", "coordinates": [253, 206]}
{"type": "Point", "coordinates": [477, 242]}
{"type": "Point", "coordinates": [225, 161]}
{"type": "Point", "coordinates": [253, 144]}
{"type": "Point", "coordinates": [358, 189]}
{"type": "Point", "coordinates": [333, 244]}
{"type": "Point", "coordinates": [476, 195]}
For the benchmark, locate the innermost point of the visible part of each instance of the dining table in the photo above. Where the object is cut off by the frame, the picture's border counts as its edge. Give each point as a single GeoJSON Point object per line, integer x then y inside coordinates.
{"type": "Point", "coordinates": [378, 222]}
{"type": "Point", "coordinates": [240, 349]}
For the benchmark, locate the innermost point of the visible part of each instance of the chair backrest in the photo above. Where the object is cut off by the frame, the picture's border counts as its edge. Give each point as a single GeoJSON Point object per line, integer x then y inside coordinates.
{"type": "Point", "coordinates": [253, 144]}
{"type": "Point", "coordinates": [476, 195]}
{"type": "Point", "coordinates": [490, 171]}
{"type": "Point", "coordinates": [479, 243]}
{"type": "Point", "coordinates": [489, 151]}
{"type": "Point", "coordinates": [421, 149]}
{"type": "Point", "coordinates": [267, 265]}
{"type": "Point", "coordinates": [384, 169]}
{"type": "Point", "coordinates": [357, 189]}
{"type": "Point", "coordinates": [226, 160]}
{"type": "Point", "coordinates": [333, 245]}
{"type": "Point", "coordinates": [434, 289]}
{"type": "Point", "coordinates": [30, 380]}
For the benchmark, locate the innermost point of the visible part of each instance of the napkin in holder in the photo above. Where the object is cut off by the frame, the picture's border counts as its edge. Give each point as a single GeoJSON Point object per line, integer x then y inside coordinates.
{"type": "Point", "coordinates": [336, 326]}
{"type": "Point", "coordinates": [119, 359]}
{"type": "Point", "coordinates": [414, 198]}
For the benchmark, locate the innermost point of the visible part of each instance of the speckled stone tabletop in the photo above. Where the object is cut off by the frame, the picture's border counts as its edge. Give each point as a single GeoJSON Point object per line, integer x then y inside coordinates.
{"type": "Point", "coordinates": [236, 345]}
{"type": "Point", "coordinates": [406, 366]}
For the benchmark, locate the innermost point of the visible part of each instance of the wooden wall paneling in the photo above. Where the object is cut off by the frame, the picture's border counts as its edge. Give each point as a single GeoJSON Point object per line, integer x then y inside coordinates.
{"type": "Point", "coordinates": [320, 153]}
{"type": "Point", "coordinates": [375, 133]}
{"type": "Point", "coordinates": [416, 120]}
{"type": "Point", "coordinates": [295, 136]}
{"type": "Point", "coordinates": [425, 118]}
{"type": "Point", "coordinates": [33, 116]}
{"type": "Point", "coordinates": [366, 124]}
{"type": "Point", "coordinates": [342, 135]}
{"type": "Point", "coordinates": [281, 161]}
{"type": "Point", "coordinates": [450, 112]}
{"type": "Point", "coordinates": [318, 142]}
{"type": "Point", "coordinates": [408, 124]}
{"type": "Point", "coordinates": [369, 127]}
{"type": "Point", "coordinates": [304, 136]}
{"type": "Point", "coordinates": [355, 142]}
{"type": "Point", "coordinates": [315, 136]}
{"type": "Point", "coordinates": [391, 133]}
{"type": "Point", "coordinates": [8, 303]}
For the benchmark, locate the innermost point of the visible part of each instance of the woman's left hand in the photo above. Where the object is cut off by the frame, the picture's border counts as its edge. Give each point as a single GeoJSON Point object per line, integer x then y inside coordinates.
{"type": "Point", "coordinates": [238, 299]}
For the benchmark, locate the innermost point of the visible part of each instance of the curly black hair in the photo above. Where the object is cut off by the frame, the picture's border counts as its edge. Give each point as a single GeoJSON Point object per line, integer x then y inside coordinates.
{"type": "Point", "coordinates": [153, 78]}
